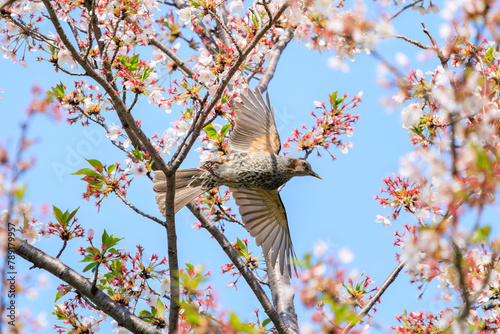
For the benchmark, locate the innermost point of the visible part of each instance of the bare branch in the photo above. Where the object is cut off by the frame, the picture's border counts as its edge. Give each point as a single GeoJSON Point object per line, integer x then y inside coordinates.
{"type": "Point", "coordinates": [416, 43]}
{"type": "Point", "coordinates": [439, 52]}
{"type": "Point", "coordinates": [279, 47]}
{"type": "Point", "coordinates": [222, 26]}
{"type": "Point", "coordinates": [364, 312]}
{"type": "Point", "coordinates": [130, 205]}
{"type": "Point", "coordinates": [83, 286]}
{"type": "Point", "coordinates": [184, 67]}
{"type": "Point", "coordinates": [282, 294]}
{"type": "Point", "coordinates": [172, 254]}
{"type": "Point", "coordinates": [403, 9]}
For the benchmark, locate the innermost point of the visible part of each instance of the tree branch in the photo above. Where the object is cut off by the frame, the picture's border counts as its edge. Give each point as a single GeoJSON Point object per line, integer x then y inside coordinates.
{"type": "Point", "coordinates": [184, 67]}
{"type": "Point", "coordinates": [133, 207]}
{"type": "Point", "coordinates": [364, 312]}
{"type": "Point", "coordinates": [6, 3]}
{"type": "Point", "coordinates": [83, 286]}
{"type": "Point", "coordinates": [282, 294]}
{"type": "Point", "coordinates": [283, 41]}
{"type": "Point", "coordinates": [403, 9]}
{"type": "Point", "coordinates": [173, 261]}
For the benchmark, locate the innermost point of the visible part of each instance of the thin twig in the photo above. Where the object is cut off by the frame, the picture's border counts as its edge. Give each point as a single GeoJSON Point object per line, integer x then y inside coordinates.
{"type": "Point", "coordinates": [141, 288]}
{"type": "Point", "coordinates": [442, 58]}
{"type": "Point", "coordinates": [65, 243]}
{"type": "Point", "coordinates": [225, 29]}
{"type": "Point", "coordinates": [364, 312]}
{"type": "Point", "coordinates": [416, 43]}
{"type": "Point", "coordinates": [130, 205]}
{"type": "Point", "coordinates": [403, 9]}
{"type": "Point", "coordinates": [183, 66]}
{"type": "Point", "coordinates": [228, 217]}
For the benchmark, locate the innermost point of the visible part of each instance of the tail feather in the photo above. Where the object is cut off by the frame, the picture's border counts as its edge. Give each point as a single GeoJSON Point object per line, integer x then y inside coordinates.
{"type": "Point", "coordinates": [188, 186]}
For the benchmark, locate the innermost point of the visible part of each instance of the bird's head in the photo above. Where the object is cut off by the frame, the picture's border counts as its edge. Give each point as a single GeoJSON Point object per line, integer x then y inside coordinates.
{"type": "Point", "coordinates": [300, 167]}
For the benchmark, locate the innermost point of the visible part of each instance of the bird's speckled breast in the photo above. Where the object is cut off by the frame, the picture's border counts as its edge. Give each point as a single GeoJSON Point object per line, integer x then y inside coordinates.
{"type": "Point", "coordinates": [250, 170]}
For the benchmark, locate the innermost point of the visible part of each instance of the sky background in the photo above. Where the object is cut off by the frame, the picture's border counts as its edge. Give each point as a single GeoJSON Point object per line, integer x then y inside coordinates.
{"type": "Point", "coordinates": [340, 209]}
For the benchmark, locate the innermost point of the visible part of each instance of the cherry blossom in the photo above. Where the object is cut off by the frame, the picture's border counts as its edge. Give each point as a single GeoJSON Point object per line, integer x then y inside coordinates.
{"type": "Point", "coordinates": [114, 131]}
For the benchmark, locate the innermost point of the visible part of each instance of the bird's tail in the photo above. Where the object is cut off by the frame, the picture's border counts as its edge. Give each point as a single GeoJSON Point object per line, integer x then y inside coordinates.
{"type": "Point", "coordinates": [188, 186]}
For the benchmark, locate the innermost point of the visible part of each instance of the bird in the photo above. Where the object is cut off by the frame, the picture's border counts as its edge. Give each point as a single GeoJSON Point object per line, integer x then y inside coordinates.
{"type": "Point", "coordinates": [254, 175]}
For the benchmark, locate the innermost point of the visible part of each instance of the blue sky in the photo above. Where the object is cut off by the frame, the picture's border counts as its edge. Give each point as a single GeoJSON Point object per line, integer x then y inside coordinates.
{"type": "Point", "coordinates": [340, 209]}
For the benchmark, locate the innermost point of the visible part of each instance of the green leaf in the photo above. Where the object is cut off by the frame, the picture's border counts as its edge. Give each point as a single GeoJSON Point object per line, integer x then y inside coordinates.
{"type": "Point", "coordinates": [482, 160]}
{"type": "Point", "coordinates": [146, 73]}
{"type": "Point", "coordinates": [481, 234]}
{"type": "Point", "coordinates": [90, 266]}
{"type": "Point", "coordinates": [19, 192]}
{"type": "Point", "coordinates": [333, 96]}
{"type": "Point", "coordinates": [265, 322]}
{"type": "Point", "coordinates": [138, 154]}
{"type": "Point", "coordinates": [130, 63]}
{"type": "Point", "coordinates": [111, 168]}
{"type": "Point", "coordinates": [72, 214]}
{"type": "Point", "coordinates": [57, 91]}
{"type": "Point", "coordinates": [236, 324]}
{"type": "Point", "coordinates": [86, 171]}
{"type": "Point", "coordinates": [240, 244]}
{"type": "Point", "coordinates": [105, 237]}
{"type": "Point", "coordinates": [160, 308]}
{"type": "Point", "coordinates": [211, 132]}
{"type": "Point", "coordinates": [57, 213]}
{"type": "Point", "coordinates": [254, 20]}
{"type": "Point", "coordinates": [58, 296]}
{"type": "Point", "coordinates": [145, 313]}
{"type": "Point", "coordinates": [95, 163]}
{"type": "Point", "coordinates": [488, 56]}
{"type": "Point", "coordinates": [134, 60]}
{"type": "Point", "coordinates": [123, 59]}
{"type": "Point", "coordinates": [116, 266]}
{"type": "Point", "coordinates": [225, 129]}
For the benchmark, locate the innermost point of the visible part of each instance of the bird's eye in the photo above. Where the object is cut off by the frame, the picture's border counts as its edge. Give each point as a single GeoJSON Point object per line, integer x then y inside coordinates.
{"type": "Point", "coordinates": [304, 163]}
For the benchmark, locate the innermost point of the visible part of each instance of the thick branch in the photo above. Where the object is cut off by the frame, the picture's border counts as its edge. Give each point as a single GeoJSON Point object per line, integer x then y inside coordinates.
{"type": "Point", "coordinates": [186, 70]}
{"type": "Point", "coordinates": [282, 293]}
{"type": "Point", "coordinates": [6, 3]}
{"type": "Point", "coordinates": [83, 286]}
{"type": "Point", "coordinates": [283, 41]}
{"type": "Point", "coordinates": [240, 265]}
{"type": "Point", "coordinates": [173, 261]}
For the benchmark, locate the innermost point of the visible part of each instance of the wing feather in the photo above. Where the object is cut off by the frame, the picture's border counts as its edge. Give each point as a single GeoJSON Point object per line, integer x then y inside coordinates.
{"type": "Point", "coordinates": [255, 128]}
{"type": "Point", "coordinates": [264, 216]}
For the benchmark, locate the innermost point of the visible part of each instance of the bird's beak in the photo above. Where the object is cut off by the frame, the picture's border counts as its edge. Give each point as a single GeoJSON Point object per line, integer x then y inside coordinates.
{"type": "Point", "coordinates": [315, 175]}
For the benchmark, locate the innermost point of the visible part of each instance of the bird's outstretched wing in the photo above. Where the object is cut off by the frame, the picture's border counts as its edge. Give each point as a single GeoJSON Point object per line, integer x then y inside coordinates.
{"type": "Point", "coordinates": [255, 129]}
{"type": "Point", "coordinates": [264, 217]}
